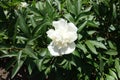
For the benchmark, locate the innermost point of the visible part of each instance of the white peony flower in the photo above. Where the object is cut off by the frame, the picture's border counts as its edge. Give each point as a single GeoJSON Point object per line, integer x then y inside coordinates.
{"type": "Point", "coordinates": [23, 4]}
{"type": "Point", "coordinates": [63, 38]}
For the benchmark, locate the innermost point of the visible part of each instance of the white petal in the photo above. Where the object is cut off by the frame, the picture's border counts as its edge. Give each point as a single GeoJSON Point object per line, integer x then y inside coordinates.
{"type": "Point", "coordinates": [54, 51]}
{"type": "Point", "coordinates": [50, 33]}
{"type": "Point", "coordinates": [73, 37]}
{"type": "Point", "coordinates": [70, 36]}
{"type": "Point", "coordinates": [60, 25]}
{"type": "Point", "coordinates": [69, 49]}
{"type": "Point", "coordinates": [72, 27]}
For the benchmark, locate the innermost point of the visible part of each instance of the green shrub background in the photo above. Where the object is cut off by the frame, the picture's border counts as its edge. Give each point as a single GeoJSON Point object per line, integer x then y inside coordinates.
{"type": "Point", "coordinates": [23, 38]}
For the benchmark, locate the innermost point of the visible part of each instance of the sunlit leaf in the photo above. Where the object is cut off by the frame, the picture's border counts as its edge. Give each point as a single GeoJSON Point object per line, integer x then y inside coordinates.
{"type": "Point", "coordinates": [112, 52]}
{"type": "Point", "coordinates": [91, 47]}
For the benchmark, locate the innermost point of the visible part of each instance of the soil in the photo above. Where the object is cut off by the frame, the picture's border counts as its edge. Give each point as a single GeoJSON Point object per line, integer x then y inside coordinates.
{"type": "Point", "coordinates": [6, 74]}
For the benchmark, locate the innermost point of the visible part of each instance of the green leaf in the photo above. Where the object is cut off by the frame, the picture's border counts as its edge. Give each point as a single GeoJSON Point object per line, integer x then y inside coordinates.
{"type": "Point", "coordinates": [79, 36]}
{"type": "Point", "coordinates": [23, 25]}
{"type": "Point", "coordinates": [114, 11]}
{"type": "Point", "coordinates": [30, 52]}
{"type": "Point", "coordinates": [111, 45]}
{"type": "Point", "coordinates": [32, 21]}
{"type": "Point", "coordinates": [76, 53]}
{"type": "Point", "coordinates": [91, 32]}
{"type": "Point", "coordinates": [40, 28]}
{"type": "Point", "coordinates": [47, 71]}
{"type": "Point", "coordinates": [117, 66]}
{"type": "Point", "coordinates": [112, 73]}
{"type": "Point", "coordinates": [111, 52]}
{"type": "Point", "coordinates": [82, 47]}
{"type": "Point", "coordinates": [43, 52]}
{"type": "Point", "coordinates": [19, 56]}
{"type": "Point", "coordinates": [96, 8]}
{"type": "Point", "coordinates": [70, 7]}
{"type": "Point", "coordinates": [3, 51]}
{"type": "Point", "coordinates": [100, 39]}
{"type": "Point", "coordinates": [91, 46]}
{"type": "Point", "coordinates": [98, 44]}
{"type": "Point", "coordinates": [82, 26]}
{"type": "Point", "coordinates": [35, 11]}
{"type": "Point", "coordinates": [49, 9]}
{"type": "Point", "coordinates": [78, 6]}
{"type": "Point", "coordinates": [58, 4]}
{"type": "Point", "coordinates": [69, 17]}
{"type": "Point", "coordinates": [9, 55]}
{"type": "Point", "coordinates": [63, 62]}
{"type": "Point", "coordinates": [15, 31]}
{"type": "Point", "coordinates": [92, 24]}
{"type": "Point", "coordinates": [73, 63]}
{"type": "Point", "coordinates": [40, 8]}
{"type": "Point", "coordinates": [112, 28]}
{"type": "Point", "coordinates": [40, 65]}
{"type": "Point", "coordinates": [101, 65]}
{"type": "Point", "coordinates": [31, 67]}
{"type": "Point", "coordinates": [16, 68]}
{"type": "Point", "coordinates": [108, 77]}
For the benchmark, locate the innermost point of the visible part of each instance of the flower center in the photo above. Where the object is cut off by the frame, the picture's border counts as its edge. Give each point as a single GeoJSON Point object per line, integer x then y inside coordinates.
{"type": "Point", "coordinates": [60, 41]}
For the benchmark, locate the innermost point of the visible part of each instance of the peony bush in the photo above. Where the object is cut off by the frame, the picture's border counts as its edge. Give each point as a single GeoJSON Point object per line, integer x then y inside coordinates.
{"type": "Point", "coordinates": [60, 39]}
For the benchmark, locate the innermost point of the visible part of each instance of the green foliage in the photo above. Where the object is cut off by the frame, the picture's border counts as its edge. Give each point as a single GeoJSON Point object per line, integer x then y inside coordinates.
{"type": "Point", "coordinates": [23, 37]}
